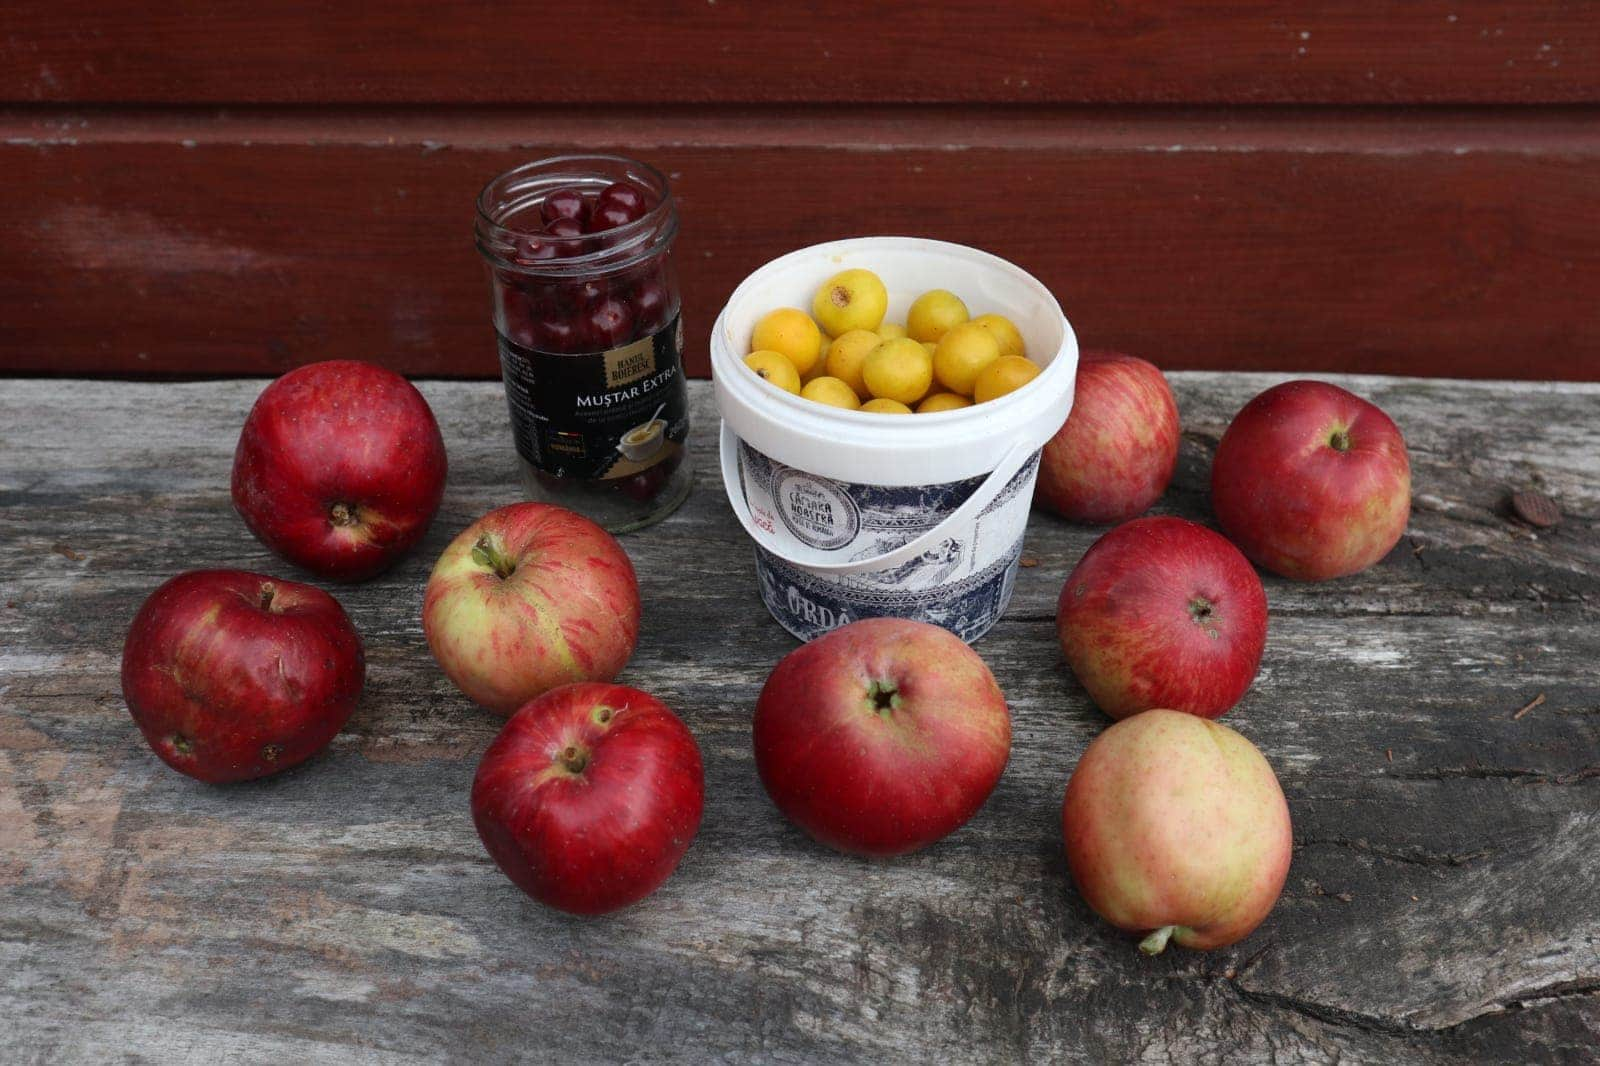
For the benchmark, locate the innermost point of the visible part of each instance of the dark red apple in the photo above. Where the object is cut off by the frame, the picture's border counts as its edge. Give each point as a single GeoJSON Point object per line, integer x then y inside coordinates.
{"type": "Point", "coordinates": [1162, 612]}
{"type": "Point", "coordinates": [1312, 481]}
{"type": "Point", "coordinates": [232, 675]}
{"type": "Point", "coordinates": [589, 796]}
{"type": "Point", "coordinates": [1115, 455]}
{"type": "Point", "coordinates": [882, 736]}
{"type": "Point", "coordinates": [340, 468]}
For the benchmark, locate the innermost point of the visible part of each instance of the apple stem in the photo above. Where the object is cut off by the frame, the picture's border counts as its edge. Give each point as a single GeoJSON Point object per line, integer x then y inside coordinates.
{"type": "Point", "coordinates": [1339, 440]}
{"type": "Point", "coordinates": [574, 759]}
{"type": "Point", "coordinates": [268, 590]}
{"type": "Point", "coordinates": [487, 553]}
{"type": "Point", "coordinates": [1156, 942]}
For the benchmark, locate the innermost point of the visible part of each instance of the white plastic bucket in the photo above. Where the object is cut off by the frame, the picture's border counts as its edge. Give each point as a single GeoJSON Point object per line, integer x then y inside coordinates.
{"type": "Point", "coordinates": [858, 515]}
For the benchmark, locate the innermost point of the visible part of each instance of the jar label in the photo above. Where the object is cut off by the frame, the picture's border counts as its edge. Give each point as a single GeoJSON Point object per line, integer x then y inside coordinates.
{"type": "Point", "coordinates": [598, 415]}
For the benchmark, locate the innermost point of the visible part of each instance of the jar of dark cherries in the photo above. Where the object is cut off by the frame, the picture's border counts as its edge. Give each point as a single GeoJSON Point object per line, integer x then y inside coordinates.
{"type": "Point", "coordinates": [579, 255]}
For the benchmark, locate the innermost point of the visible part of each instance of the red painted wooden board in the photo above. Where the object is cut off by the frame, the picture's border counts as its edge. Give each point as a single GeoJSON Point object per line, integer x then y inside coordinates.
{"type": "Point", "coordinates": [696, 51]}
{"type": "Point", "coordinates": [1459, 244]}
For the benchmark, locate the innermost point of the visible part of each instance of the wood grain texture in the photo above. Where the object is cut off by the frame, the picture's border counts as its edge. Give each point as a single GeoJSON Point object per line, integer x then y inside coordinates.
{"type": "Point", "coordinates": [1451, 243]}
{"type": "Point", "coordinates": [1440, 907]}
{"type": "Point", "coordinates": [696, 51]}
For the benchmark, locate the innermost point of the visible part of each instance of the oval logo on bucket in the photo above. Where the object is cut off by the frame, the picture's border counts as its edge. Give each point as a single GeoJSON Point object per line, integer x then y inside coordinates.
{"type": "Point", "coordinates": [818, 512]}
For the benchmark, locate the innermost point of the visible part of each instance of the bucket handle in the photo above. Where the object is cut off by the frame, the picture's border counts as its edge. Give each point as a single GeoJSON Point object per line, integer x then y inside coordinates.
{"type": "Point", "coordinates": [1012, 461]}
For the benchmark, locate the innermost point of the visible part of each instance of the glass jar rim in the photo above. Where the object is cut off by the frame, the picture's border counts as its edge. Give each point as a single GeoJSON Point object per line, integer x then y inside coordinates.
{"type": "Point", "coordinates": [626, 245]}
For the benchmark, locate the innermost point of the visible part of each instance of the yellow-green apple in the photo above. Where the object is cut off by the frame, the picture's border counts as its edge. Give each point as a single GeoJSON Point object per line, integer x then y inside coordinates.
{"type": "Point", "coordinates": [589, 796]}
{"type": "Point", "coordinates": [340, 468]}
{"type": "Point", "coordinates": [232, 675]}
{"type": "Point", "coordinates": [1163, 612]}
{"type": "Point", "coordinates": [1312, 481]}
{"type": "Point", "coordinates": [1176, 828]}
{"type": "Point", "coordinates": [882, 736]}
{"type": "Point", "coordinates": [529, 597]}
{"type": "Point", "coordinates": [1115, 455]}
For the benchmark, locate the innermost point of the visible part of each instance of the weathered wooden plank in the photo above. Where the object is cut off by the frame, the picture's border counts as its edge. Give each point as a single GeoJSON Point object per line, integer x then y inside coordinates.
{"type": "Point", "coordinates": [231, 51]}
{"type": "Point", "coordinates": [1440, 906]}
{"type": "Point", "coordinates": [1456, 243]}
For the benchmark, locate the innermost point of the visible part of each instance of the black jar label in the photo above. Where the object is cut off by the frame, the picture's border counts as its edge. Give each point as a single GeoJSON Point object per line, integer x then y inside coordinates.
{"type": "Point", "coordinates": [598, 415]}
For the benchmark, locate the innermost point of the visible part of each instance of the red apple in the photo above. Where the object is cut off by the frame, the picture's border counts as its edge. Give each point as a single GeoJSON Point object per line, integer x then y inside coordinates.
{"type": "Point", "coordinates": [340, 468]}
{"type": "Point", "coordinates": [1162, 612]}
{"type": "Point", "coordinates": [1176, 827]}
{"type": "Point", "coordinates": [232, 675]}
{"type": "Point", "coordinates": [589, 797]}
{"type": "Point", "coordinates": [529, 597]}
{"type": "Point", "coordinates": [1115, 455]}
{"type": "Point", "coordinates": [882, 736]}
{"type": "Point", "coordinates": [1313, 482]}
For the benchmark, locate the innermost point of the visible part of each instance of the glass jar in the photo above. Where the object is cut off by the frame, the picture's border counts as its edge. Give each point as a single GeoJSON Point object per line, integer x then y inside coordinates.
{"type": "Point", "coordinates": [579, 256]}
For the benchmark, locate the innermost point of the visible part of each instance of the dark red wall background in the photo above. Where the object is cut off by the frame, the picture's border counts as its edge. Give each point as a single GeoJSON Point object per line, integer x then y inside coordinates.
{"type": "Point", "coordinates": [1406, 187]}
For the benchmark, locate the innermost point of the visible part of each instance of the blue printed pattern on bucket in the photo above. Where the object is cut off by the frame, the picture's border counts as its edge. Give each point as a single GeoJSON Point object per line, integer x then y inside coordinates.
{"type": "Point", "coordinates": [877, 518]}
{"type": "Point", "coordinates": [963, 582]}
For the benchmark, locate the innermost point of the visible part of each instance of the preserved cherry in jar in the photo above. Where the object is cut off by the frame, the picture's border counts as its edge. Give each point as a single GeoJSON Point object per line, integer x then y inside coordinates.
{"type": "Point", "coordinates": [586, 312]}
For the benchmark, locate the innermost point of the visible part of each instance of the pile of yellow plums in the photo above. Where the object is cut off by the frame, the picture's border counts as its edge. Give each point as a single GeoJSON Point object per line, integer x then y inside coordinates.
{"type": "Point", "coordinates": [844, 354]}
